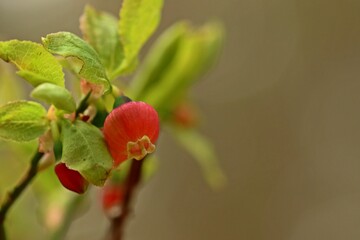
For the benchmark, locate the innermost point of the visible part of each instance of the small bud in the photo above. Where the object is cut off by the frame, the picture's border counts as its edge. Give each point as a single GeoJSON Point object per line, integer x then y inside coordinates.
{"type": "Point", "coordinates": [131, 131]}
{"type": "Point", "coordinates": [71, 179]}
{"type": "Point", "coordinates": [185, 115]}
{"type": "Point", "coordinates": [90, 112]}
{"type": "Point", "coordinates": [84, 118]}
{"type": "Point", "coordinates": [51, 115]}
{"type": "Point", "coordinates": [46, 142]}
{"type": "Point", "coordinates": [112, 196]}
{"type": "Point", "coordinates": [96, 89]}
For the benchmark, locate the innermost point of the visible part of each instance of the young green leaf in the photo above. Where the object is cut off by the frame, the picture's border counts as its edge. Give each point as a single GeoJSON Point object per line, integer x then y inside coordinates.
{"type": "Point", "coordinates": [22, 121]}
{"type": "Point", "coordinates": [159, 59]}
{"type": "Point", "coordinates": [169, 71]}
{"type": "Point", "coordinates": [10, 87]}
{"type": "Point", "coordinates": [138, 21]}
{"type": "Point", "coordinates": [100, 29]}
{"type": "Point", "coordinates": [196, 51]}
{"type": "Point", "coordinates": [35, 64]}
{"type": "Point", "coordinates": [69, 45]}
{"type": "Point", "coordinates": [85, 151]}
{"type": "Point", "coordinates": [202, 151]}
{"type": "Point", "coordinates": [58, 96]}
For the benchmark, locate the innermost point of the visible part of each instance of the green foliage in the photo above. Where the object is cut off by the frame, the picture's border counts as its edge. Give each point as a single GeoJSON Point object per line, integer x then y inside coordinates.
{"type": "Point", "coordinates": [85, 151]}
{"type": "Point", "coordinates": [69, 45]}
{"type": "Point", "coordinates": [138, 21]}
{"type": "Point", "coordinates": [159, 59]}
{"type": "Point", "coordinates": [110, 49]}
{"type": "Point", "coordinates": [22, 121]}
{"type": "Point", "coordinates": [10, 88]}
{"type": "Point", "coordinates": [101, 32]}
{"type": "Point", "coordinates": [58, 96]}
{"type": "Point", "coordinates": [202, 151]}
{"type": "Point", "coordinates": [35, 64]}
{"type": "Point", "coordinates": [178, 58]}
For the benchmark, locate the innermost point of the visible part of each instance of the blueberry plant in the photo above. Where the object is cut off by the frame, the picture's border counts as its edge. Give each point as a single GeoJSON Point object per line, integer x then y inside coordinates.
{"type": "Point", "coordinates": [102, 130]}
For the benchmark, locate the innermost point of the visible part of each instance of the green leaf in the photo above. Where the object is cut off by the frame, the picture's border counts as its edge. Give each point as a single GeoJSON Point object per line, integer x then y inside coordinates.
{"type": "Point", "coordinates": [138, 21]}
{"type": "Point", "coordinates": [85, 151]}
{"type": "Point", "coordinates": [69, 45]}
{"type": "Point", "coordinates": [179, 58]}
{"type": "Point", "coordinates": [159, 58]}
{"type": "Point", "coordinates": [22, 121]}
{"type": "Point", "coordinates": [58, 96]}
{"type": "Point", "coordinates": [100, 29]}
{"type": "Point", "coordinates": [203, 153]}
{"type": "Point", "coordinates": [35, 64]}
{"type": "Point", "coordinates": [10, 87]}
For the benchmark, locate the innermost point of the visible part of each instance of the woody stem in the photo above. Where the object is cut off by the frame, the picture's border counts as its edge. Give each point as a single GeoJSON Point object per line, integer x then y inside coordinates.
{"type": "Point", "coordinates": [17, 191]}
{"type": "Point", "coordinates": [131, 183]}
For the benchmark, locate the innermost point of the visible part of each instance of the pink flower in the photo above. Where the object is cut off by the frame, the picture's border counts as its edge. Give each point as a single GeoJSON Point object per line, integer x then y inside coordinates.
{"type": "Point", "coordinates": [131, 131]}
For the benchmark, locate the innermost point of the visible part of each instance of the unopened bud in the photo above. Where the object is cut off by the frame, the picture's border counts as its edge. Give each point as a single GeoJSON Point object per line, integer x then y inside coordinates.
{"type": "Point", "coordinates": [71, 179]}
{"type": "Point", "coordinates": [112, 198]}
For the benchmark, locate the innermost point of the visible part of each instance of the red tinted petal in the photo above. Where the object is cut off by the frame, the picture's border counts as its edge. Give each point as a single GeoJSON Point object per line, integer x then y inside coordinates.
{"type": "Point", "coordinates": [71, 179]}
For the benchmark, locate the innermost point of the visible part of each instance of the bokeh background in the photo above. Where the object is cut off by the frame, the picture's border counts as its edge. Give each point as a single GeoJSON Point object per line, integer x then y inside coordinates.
{"type": "Point", "coordinates": [281, 107]}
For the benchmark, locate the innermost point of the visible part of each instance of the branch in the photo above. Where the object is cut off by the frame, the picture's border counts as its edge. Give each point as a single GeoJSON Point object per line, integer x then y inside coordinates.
{"type": "Point", "coordinates": [17, 191]}
{"type": "Point", "coordinates": [30, 174]}
{"type": "Point", "coordinates": [133, 179]}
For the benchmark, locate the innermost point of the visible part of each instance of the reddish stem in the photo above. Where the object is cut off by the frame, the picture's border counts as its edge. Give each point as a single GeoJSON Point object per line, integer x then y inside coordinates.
{"type": "Point", "coordinates": [132, 181]}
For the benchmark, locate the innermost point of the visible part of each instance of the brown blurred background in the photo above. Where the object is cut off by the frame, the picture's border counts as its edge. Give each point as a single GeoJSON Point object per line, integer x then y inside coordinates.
{"type": "Point", "coordinates": [281, 107]}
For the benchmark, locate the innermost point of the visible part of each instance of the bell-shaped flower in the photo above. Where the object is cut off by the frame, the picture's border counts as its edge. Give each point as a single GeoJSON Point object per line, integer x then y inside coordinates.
{"type": "Point", "coordinates": [131, 131]}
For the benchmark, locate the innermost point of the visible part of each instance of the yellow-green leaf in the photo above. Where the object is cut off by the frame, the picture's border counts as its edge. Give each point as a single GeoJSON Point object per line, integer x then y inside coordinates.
{"type": "Point", "coordinates": [85, 151]}
{"type": "Point", "coordinates": [179, 58]}
{"type": "Point", "coordinates": [193, 57]}
{"type": "Point", "coordinates": [157, 61]}
{"type": "Point", "coordinates": [138, 21]}
{"type": "Point", "coordinates": [35, 64]}
{"type": "Point", "coordinates": [100, 30]}
{"type": "Point", "coordinates": [69, 45]}
{"type": "Point", "coordinates": [10, 87]}
{"type": "Point", "coordinates": [202, 151]}
{"type": "Point", "coordinates": [58, 96]}
{"type": "Point", "coordinates": [22, 121]}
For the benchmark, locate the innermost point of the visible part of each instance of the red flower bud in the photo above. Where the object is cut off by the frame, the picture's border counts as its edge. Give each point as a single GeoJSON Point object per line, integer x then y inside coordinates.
{"type": "Point", "coordinates": [71, 179]}
{"type": "Point", "coordinates": [131, 131]}
{"type": "Point", "coordinates": [185, 115]}
{"type": "Point", "coordinates": [112, 197]}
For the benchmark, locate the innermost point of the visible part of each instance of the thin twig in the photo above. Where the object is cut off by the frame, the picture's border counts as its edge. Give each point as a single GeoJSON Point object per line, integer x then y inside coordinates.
{"type": "Point", "coordinates": [17, 191]}
{"type": "Point", "coordinates": [132, 182]}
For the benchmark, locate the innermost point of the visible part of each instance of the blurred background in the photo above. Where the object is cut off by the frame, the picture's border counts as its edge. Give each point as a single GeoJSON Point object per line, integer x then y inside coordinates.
{"type": "Point", "coordinates": [282, 110]}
